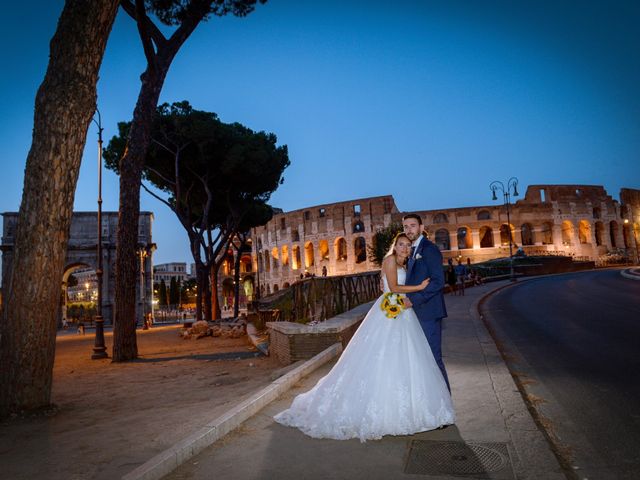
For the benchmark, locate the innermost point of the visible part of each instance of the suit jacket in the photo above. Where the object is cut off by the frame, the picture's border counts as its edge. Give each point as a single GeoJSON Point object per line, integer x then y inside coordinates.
{"type": "Point", "coordinates": [427, 262]}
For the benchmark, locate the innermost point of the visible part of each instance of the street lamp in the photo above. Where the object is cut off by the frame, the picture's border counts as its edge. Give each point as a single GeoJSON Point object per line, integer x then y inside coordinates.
{"type": "Point", "coordinates": [506, 193]}
{"type": "Point", "coordinates": [99, 348]}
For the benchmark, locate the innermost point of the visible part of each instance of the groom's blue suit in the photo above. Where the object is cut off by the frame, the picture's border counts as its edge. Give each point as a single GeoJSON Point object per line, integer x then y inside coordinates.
{"type": "Point", "coordinates": [429, 303]}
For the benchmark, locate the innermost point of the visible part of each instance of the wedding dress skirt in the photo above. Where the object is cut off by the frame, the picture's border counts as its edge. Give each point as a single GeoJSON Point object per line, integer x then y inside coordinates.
{"type": "Point", "coordinates": [385, 383]}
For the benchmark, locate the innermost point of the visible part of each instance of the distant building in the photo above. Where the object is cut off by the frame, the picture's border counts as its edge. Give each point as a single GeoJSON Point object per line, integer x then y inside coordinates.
{"type": "Point", "coordinates": [300, 243]}
{"type": "Point", "coordinates": [582, 221]}
{"type": "Point", "coordinates": [167, 271]}
{"type": "Point", "coordinates": [86, 288]}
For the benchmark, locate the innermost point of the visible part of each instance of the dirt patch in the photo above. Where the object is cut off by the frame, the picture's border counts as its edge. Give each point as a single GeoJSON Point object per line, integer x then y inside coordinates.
{"type": "Point", "coordinates": [111, 417]}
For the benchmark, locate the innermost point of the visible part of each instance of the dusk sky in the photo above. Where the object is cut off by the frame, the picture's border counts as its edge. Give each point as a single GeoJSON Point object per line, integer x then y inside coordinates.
{"type": "Point", "coordinates": [426, 100]}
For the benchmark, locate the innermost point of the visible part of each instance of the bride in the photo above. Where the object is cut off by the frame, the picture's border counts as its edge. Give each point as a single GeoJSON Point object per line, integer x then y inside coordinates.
{"type": "Point", "coordinates": [386, 382]}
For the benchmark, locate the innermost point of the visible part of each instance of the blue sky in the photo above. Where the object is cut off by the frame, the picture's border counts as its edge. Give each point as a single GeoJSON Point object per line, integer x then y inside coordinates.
{"type": "Point", "coordinates": [426, 100]}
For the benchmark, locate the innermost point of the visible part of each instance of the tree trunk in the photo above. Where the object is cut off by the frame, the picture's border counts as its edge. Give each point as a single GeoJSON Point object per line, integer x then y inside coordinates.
{"type": "Point", "coordinates": [131, 164]}
{"type": "Point", "coordinates": [65, 103]}
{"type": "Point", "coordinates": [236, 281]}
{"type": "Point", "coordinates": [201, 275]}
{"type": "Point", "coordinates": [214, 302]}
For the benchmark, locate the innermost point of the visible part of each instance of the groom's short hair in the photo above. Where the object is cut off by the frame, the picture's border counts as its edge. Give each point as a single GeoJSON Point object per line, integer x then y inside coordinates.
{"type": "Point", "coordinates": [412, 215]}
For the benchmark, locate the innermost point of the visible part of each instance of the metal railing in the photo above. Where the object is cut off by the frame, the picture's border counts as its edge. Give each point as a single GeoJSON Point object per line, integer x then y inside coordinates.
{"type": "Point", "coordinates": [319, 298]}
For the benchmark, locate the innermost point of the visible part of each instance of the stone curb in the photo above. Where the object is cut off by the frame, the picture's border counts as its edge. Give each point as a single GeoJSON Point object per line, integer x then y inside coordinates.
{"type": "Point", "coordinates": [165, 462]}
{"type": "Point", "coordinates": [633, 273]}
{"type": "Point", "coordinates": [533, 457]}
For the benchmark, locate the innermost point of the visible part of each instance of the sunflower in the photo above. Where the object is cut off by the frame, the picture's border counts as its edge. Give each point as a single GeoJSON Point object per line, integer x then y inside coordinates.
{"type": "Point", "coordinates": [392, 304]}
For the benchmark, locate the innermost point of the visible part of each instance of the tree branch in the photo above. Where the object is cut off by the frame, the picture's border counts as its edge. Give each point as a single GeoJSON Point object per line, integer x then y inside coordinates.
{"type": "Point", "coordinates": [199, 10]}
{"type": "Point", "coordinates": [156, 196]}
{"type": "Point", "coordinates": [161, 176]}
{"type": "Point", "coordinates": [151, 31]}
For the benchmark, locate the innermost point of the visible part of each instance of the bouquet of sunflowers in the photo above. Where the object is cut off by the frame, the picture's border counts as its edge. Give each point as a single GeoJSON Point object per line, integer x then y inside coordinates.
{"type": "Point", "coordinates": [392, 304]}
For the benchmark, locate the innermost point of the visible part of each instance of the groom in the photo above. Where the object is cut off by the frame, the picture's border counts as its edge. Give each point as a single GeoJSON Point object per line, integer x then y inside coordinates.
{"type": "Point", "coordinates": [425, 261]}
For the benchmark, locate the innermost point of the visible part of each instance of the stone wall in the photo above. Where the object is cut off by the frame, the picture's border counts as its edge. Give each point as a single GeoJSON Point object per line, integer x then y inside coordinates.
{"type": "Point", "coordinates": [290, 342]}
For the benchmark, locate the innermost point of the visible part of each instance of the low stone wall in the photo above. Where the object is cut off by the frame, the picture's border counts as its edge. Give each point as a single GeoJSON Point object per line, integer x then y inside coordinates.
{"type": "Point", "coordinates": [290, 342]}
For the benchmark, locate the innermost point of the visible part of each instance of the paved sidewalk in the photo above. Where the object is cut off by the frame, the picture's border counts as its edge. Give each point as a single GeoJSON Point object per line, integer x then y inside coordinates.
{"type": "Point", "coordinates": [493, 423]}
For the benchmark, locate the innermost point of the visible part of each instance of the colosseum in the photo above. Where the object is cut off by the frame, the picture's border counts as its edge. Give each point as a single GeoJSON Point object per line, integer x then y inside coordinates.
{"type": "Point", "coordinates": [581, 221]}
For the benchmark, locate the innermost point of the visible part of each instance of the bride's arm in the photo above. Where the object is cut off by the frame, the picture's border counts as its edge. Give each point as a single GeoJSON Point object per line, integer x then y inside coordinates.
{"type": "Point", "coordinates": [391, 272]}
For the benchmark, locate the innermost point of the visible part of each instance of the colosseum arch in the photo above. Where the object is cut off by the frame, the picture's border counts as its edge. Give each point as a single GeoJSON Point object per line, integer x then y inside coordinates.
{"type": "Point", "coordinates": [323, 249]}
{"type": "Point", "coordinates": [340, 247]}
{"type": "Point", "coordinates": [567, 232]}
{"type": "Point", "coordinates": [275, 254]}
{"type": "Point", "coordinates": [360, 249]}
{"type": "Point", "coordinates": [309, 257]}
{"type": "Point", "coordinates": [627, 236]}
{"type": "Point", "coordinates": [296, 264]}
{"type": "Point", "coordinates": [584, 232]}
{"type": "Point", "coordinates": [613, 233]}
{"type": "Point", "coordinates": [599, 234]}
{"type": "Point", "coordinates": [506, 234]}
{"type": "Point", "coordinates": [465, 240]}
{"type": "Point", "coordinates": [486, 237]}
{"type": "Point", "coordinates": [526, 230]}
{"type": "Point", "coordinates": [442, 239]}
{"type": "Point", "coordinates": [267, 261]}
{"type": "Point", "coordinates": [285, 255]}
{"type": "Point", "coordinates": [546, 233]}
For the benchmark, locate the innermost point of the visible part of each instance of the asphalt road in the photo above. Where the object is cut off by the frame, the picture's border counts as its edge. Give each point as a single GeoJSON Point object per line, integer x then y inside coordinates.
{"type": "Point", "coordinates": [574, 341]}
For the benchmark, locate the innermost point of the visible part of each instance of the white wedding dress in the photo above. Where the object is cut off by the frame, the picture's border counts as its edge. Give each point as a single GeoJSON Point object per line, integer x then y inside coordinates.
{"type": "Point", "coordinates": [385, 383]}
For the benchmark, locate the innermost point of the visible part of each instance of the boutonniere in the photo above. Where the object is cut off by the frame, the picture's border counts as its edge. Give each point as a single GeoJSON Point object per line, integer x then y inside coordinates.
{"type": "Point", "coordinates": [418, 256]}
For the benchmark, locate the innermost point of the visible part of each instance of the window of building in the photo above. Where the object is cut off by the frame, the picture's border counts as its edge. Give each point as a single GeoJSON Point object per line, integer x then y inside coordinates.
{"type": "Point", "coordinates": [322, 212]}
{"type": "Point", "coordinates": [356, 210]}
{"type": "Point", "coordinates": [596, 212]}
{"type": "Point", "coordinates": [307, 215]}
{"type": "Point", "coordinates": [484, 215]}
{"type": "Point", "coordinates": [358, 227]}
{"type": "Point", "coordinates": [542, 195]}
{"type": "Point", "coordinates": [283, 224]}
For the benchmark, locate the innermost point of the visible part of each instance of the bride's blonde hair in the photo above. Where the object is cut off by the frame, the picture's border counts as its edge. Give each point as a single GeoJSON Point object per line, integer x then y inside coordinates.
{"type": "Point", "coordinates": [398, 236]}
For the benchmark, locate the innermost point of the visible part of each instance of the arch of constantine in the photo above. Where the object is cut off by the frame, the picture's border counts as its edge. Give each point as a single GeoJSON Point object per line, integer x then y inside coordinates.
{"type": "Point", "coordinates": [82, 254]}
{"type": "Point", "coordinates": [581, 221]}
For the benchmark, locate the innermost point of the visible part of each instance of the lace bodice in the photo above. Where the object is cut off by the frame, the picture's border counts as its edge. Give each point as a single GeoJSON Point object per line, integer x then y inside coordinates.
{"type": "Point", "coordinates": [402, 276]}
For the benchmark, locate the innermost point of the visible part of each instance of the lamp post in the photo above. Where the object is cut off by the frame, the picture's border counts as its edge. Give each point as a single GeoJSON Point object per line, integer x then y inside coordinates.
{"type": "Point", "coordinates": [512, 183]}
{"type": "Point", "coordinates": [142, 252]}
{"type": "Point", "coordinates": [99, 348]}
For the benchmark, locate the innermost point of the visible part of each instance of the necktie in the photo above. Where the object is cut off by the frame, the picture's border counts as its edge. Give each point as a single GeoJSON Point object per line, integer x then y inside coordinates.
{"type": "Point", "coordinates": [413, 250]}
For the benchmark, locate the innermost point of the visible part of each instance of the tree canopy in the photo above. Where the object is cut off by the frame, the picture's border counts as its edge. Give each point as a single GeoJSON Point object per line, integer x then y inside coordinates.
{"type": "Point", "coordinates": [382, 241]}
{"type": "Point", "coordinates": [215, 176]}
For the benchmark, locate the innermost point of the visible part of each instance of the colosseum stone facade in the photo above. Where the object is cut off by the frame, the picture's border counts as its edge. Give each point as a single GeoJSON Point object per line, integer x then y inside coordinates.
{"type": "Point", "coordinates": [582, 221]}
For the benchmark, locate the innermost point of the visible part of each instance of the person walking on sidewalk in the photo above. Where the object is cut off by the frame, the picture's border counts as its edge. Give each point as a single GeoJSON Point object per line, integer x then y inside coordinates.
{"type": "Point", "coordinates": [387, 381]}
{"type": "Point", "coordinates": [461, 275]}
